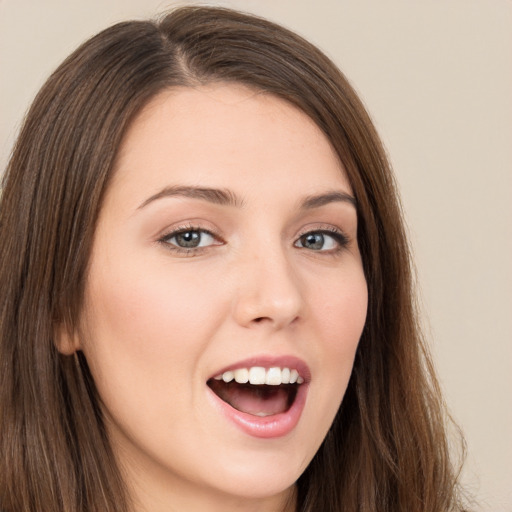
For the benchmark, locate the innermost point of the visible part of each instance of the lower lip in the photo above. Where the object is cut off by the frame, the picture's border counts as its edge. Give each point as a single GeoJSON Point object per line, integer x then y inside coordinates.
{"type": "Point", "coordinates": [267, 427]}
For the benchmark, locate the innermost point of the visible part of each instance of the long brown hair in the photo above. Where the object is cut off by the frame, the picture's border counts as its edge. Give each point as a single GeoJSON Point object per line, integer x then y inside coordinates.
{"type": "Point", "coordinates": [387, 448]}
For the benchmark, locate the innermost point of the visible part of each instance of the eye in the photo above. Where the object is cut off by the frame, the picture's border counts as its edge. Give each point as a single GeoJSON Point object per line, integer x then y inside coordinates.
{"type": "Point", "coordinates": [190, 238]}
{"type": "Point", "coordinates": [322, 241]}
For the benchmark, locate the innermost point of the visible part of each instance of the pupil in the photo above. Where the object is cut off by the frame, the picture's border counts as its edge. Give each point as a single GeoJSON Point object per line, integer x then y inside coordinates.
{"type": "Point", "coordinates": [314, 241]}
{"type": "Point", "coordinates": [188, 239]}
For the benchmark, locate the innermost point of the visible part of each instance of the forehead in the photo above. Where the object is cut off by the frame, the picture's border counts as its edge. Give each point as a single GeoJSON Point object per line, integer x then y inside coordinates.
{"type": "Point", "coordinates": [226, 135]}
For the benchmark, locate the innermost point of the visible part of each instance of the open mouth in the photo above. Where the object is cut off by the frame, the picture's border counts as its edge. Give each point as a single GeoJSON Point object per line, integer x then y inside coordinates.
{"type": "Point", "coordinates": [258, 391]}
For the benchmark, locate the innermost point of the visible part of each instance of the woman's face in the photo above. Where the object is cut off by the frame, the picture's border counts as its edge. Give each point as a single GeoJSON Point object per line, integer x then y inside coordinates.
{"type": "Point", "coordinates": [225, 249]}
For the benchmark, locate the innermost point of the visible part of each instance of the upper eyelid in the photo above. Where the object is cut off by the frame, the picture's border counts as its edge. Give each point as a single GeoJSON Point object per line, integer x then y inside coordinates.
{"type": "Point", "coordinates": [193, 227]}
{"type": "Point", "coordinates": [323, 228]}
{"type": "Point", "coordinates": [181, 228]}
{"type": "Point", "coordinates": [336, 234]}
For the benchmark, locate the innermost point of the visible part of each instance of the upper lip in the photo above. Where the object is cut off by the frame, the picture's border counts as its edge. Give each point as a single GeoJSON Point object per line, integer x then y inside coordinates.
{"type": "Point", "coordinates": [268, 361]}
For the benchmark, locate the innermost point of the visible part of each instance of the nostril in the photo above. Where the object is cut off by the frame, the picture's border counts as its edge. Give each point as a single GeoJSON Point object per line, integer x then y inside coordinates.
{"type": "Point", "coordinates": [261, 319]}
{"type": "Point", "coordinates": [267, 319]}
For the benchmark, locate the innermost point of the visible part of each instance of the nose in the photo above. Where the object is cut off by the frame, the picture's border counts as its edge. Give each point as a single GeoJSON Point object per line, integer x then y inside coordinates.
{"type": "Point", "coordinates": [268, 291]}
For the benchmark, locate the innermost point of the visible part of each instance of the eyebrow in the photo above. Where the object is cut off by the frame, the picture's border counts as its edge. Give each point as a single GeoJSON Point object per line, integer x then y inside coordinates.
{"type": "Point", "coordinates": [212, 195]}
{"type": "Point", "coordinates": [335, 196]}
{"type": "Point", "coordinates": [226, 197]}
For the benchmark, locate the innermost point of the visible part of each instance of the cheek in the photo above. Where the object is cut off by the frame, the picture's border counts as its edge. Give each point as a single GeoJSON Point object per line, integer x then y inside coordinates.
{"type": "Point", "coordinates": [152, 323]}
{"type": "Point", "coordinates": [341, 312]}
{"type": "Point", "coordinates": [338, 309]}
{"type": "Point", "coordinates": [340, 315]}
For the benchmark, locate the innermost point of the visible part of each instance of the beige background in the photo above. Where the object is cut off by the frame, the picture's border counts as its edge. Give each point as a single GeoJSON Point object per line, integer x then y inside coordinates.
{"type": "Point", "coordinates": [437, 77]}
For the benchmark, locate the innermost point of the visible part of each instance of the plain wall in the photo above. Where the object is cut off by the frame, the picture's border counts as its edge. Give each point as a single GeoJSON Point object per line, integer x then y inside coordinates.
{"type": "Point", "coordinates": [437, 79]}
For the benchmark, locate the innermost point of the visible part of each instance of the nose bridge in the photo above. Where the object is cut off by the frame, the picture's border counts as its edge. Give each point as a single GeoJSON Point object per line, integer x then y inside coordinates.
{"type": "Point", "coordinates": [269, 289]}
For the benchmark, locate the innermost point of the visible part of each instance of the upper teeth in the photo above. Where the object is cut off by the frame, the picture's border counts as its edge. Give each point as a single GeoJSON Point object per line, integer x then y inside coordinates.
{"type": "Point", "coordinates": [259, 375]}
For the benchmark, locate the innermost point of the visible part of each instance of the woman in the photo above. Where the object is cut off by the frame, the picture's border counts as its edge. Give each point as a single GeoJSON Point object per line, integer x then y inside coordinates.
{"type": "Point", "coordinates": [206, 287]}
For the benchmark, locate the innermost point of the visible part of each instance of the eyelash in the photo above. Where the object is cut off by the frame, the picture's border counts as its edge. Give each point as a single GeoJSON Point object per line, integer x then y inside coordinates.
{"type": "Point", "coordinates": [339, 238]}
{"type": "Point", "coordinates": [192, 251]}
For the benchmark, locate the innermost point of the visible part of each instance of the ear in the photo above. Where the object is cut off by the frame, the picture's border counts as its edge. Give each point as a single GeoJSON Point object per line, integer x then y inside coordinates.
{"type": "Point", "coordinates": [66, 341]}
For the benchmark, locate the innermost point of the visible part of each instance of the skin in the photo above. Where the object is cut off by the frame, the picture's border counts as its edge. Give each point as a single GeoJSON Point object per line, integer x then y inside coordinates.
{"type": "Point", "coordinates": [158, 322]}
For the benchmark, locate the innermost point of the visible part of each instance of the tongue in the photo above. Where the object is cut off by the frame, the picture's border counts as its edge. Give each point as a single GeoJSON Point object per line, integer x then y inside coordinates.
{"type": "Point", "coordinates": [256, 400]}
